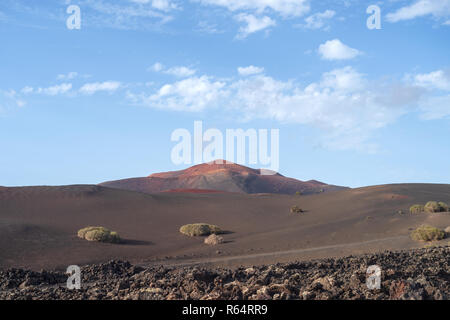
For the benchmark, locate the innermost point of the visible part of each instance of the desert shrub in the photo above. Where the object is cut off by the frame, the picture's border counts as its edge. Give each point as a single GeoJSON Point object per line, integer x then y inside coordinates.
{"type": "Point", "coordinates": [298, 193]}
{"type": "Point", "coordinates": [296, 209]}
{"type": "Point", "coordinates": [427, 233]}
{"type": "Point", "coordinates": [432, 206]}
{"type": "Point", "coordinates": [214, 240]}
{"type": "Point", "coordinates": [417, 208]}
{"type": "Point", "coordinates": [114, 236]}
{"type": "Point", "coordinates": [200, 229]}
{"type": "Point", "coordinates": [99, 234]}
{"type": "Point", "coordinates": [444, 207]}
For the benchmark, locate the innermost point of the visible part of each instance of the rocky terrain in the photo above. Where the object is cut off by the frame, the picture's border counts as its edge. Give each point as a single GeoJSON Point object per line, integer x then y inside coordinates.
{"type": "Point", "coordinates": [414, 274]}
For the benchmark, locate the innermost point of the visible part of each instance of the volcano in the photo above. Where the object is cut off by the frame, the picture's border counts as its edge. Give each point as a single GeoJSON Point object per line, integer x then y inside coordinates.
{"type": "Point", "coordinates": [220, 176]}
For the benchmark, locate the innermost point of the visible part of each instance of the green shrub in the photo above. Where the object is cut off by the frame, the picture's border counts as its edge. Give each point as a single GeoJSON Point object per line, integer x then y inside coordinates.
{"type": "Point", "coordinates": [432, 206]}
{"type": "Point", "coordinates": [114, 236]}
{"type": "Point", "coordinates": [427, 233]}
{"type": "Point", "coordinates": [296, 209]}
{"type": "Point", "coordinates": [200, 229]}
{"type": "Point", "coordinates": [298, 193]}
{"type": "Point", "coordinates": [99, 234]}
{"type": "Point", "coordinates": [417, 208]}
{"type": "Point", "coordinates": [444, 207]}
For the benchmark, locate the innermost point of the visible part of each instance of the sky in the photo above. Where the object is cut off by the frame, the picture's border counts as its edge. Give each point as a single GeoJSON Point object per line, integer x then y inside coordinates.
{"type": "Point", "coordinates": [354, 106]}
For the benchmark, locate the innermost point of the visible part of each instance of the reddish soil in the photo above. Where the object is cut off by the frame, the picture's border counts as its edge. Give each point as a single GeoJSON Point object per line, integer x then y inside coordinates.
{"type": "Point", "coordinates": [193, 191]}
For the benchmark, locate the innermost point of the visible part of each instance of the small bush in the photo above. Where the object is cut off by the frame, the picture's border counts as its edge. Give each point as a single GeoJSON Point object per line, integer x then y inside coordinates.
{"type": "Point", "coordinates": [297, 209]}
{"type": "Point", "coordinates": [298, 193]}
{"type": "Point", "coordinates": [417, 208]}
{"type": "Point", "coordinates": [99, 234]}
{"type": "Point", "coordinates": [444, 207]}
{"type": "Point", "coordinates": [427, 233]}
{"type": "Point", "coordinates": [432, 206]}
{"type": "Point", "coordinates": [200, 229]}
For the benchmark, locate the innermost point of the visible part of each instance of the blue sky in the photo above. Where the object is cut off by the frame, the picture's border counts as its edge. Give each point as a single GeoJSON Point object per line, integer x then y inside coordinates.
{"type": "Point", "coordinates": [354, 106]}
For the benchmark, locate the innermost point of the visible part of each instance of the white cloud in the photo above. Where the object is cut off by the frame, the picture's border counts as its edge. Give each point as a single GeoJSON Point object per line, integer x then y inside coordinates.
{"type": "Point", "coordinates": [108, 86]}
{"type": "Point", "coordinates": [446, 23]}
{"type": "Point", "coordinates": [180, 71]}
{"type": "Point", "coordinates": [27, 90]}
{"type": "Point", "coordinates": [258, 14]}
{"type": "Point", "coordinates": [206, 27]}
{"type": "Point", "coordinates": [254, 24]}
{"type": "Point", "coordinates": [157, 67]}
{"type": "Point", "coordinates": [435, 108]}
{"type": "Point", "coordinates": [345, 106]}
{"type": "Point", "coordinates": [50, 91]}
{"type": "Point", "coordinates": [435, 80]}
{"type": "Point", "coordinates": [192, 94]}
{"type": "Point", "coordinates": [131, 15]}
{"type": "Point", "coordinates": [177, 71]}
{"type": "Point", "coordinates": [163, 5]}
{"type": "Point", "coordinates": [20, 103]}
{"type": "Point", "coordinates": [338, 101]}
{"type": "Point", "coordinates": [250, 70]}
{"type": "Point", "coordinates": [318, 20]}
{"type": "Point", "coordinates": [10, 99]}
{"type": "Point", "coordinates": [343, 79]}
{"type": "Point", "coordinates": [336, 50]}
{"type": "Point", "coordinates": [53, 90]}
{"type": "Point", "coordinates": [69, 76]}
{"type": "Point", "coordinates": [283, 7]}
{"type": "Point", "coordinates": [420, 8]}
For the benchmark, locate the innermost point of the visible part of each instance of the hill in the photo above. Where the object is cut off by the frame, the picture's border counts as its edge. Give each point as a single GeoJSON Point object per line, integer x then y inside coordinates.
{"type": "Point", "coordinates": [226, 177]}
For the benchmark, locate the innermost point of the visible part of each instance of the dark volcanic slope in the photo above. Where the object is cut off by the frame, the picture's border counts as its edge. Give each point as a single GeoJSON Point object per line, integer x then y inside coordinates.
{"type": "Point", "coordinates": [223, 177]}
{"type": "Point", "coordinates": [411, 275]}
{"type": "Point", "coordinates": [38, 225]}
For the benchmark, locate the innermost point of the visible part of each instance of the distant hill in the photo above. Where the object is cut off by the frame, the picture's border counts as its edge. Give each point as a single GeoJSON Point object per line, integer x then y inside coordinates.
{"type": "Point", "coordinates": [225, 177]}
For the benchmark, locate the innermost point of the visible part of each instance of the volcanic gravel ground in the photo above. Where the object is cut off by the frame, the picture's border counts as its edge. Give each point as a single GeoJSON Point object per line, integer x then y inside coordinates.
{"type": "Point", "coordinates": [414, 274]}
